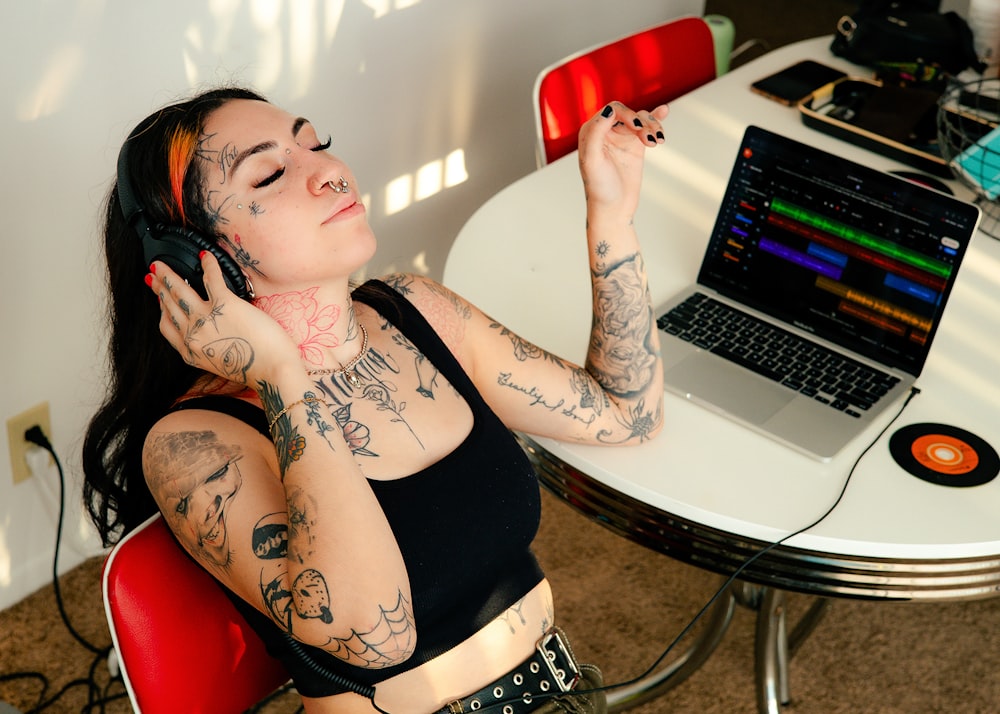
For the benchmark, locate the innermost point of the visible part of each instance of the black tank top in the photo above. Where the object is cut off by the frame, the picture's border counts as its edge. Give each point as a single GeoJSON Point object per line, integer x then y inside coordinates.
{"type": "Point", "coordinates": [464, 525]}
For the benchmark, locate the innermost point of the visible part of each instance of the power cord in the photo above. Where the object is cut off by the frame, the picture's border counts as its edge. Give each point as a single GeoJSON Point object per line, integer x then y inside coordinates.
{"type": "Point", "coordinates": [914, 391]}
{"type": "Point", "coordinates": [97, 696]}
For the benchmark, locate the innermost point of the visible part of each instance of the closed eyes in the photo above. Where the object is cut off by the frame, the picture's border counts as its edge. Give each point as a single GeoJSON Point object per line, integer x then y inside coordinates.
{"type": "Point", "coordinates": [280, 172]}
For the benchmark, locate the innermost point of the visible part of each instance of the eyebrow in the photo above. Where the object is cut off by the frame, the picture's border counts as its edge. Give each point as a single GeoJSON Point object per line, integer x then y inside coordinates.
{"type": "Point", "coordinates": [265, 145]}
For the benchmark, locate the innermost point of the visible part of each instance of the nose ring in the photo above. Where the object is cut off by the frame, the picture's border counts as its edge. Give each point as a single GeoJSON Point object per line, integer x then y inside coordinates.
{"type": "Point", "coordinates": [340, 187]}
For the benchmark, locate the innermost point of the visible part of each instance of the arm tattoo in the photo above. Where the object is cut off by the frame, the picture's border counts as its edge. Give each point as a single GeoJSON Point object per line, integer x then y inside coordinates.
{"type": "Point", "coordinates": [639, 423]}
{"type": "Point", "coordinates": [388, 643]}
{"type": "Point", "coordinates": [524, 350]}
{"type": "Point", "coordinates": [620, 355]}
{"type": "Point", "coordinates": [308, 597]}
{"type": "Point", "coordinates": [195, 477]}
{"type": "Point", "coordinates": [591, 396]}
{"type": "Point", "coordinates": [288, 443]}
{"type": "Point", "coordinates": [314, 417]}
{"type": "Point", "coordinates": [301, 518]}
{"type": "Point", "coordinates": [270, 537]}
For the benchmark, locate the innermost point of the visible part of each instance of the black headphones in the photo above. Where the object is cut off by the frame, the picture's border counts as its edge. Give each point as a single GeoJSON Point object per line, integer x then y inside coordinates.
{"type": "Point", "coordinates": [178, 247]}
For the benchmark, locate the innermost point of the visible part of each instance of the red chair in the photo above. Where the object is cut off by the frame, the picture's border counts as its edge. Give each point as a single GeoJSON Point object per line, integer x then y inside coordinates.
{"type": "Point", "coordinates": [182, 646]}
{"type": "Point", "coordinates": [643, 70]}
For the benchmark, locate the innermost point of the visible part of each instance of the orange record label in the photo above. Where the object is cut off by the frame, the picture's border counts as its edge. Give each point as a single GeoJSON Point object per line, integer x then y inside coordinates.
{"type": "Point", "coordinates": [944, 454]}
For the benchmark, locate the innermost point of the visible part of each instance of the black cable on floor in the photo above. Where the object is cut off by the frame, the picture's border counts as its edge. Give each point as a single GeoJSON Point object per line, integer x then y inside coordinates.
{"type": "Point", "coordinates": [97, 696]}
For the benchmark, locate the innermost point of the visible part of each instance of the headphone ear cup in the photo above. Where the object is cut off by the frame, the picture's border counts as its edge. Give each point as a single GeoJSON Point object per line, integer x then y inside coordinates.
{"type": "Point", "coordinates": [180, 249]}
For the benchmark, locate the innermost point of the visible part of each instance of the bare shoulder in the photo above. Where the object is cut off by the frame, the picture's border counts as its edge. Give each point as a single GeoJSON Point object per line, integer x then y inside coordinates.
{"type": "Point", "coordinates": [212, 476]}
{"type": "Point", "coordinates": [446, 311]}
{"type": "Point", "coordinates": [189, 434]}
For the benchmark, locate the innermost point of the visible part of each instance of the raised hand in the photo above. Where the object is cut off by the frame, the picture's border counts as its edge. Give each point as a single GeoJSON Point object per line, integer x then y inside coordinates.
{"type": "Point", "coordinates": [612, 146]}
{"type": "Point", "coordinates": [223, 335]}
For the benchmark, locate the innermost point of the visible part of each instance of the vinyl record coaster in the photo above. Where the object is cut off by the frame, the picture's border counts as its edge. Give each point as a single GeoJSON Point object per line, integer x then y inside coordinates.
{"type": "Point", "coordinates": [945, 455]}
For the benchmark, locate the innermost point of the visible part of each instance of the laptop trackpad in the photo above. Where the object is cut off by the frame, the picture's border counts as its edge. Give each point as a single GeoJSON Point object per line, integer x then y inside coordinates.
{"type": "Point", "coordinates": [710, 379]}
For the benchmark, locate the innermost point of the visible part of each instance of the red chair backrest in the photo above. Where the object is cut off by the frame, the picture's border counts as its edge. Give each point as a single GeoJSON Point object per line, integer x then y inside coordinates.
{"type": "Point", "coordinates": [181, 644]}
{"type": "Point", "coordinates": [643, 70]}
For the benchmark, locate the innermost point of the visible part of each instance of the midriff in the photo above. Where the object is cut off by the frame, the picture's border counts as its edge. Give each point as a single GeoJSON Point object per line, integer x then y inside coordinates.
{"type": "Point", "coordinates": [469, 666]}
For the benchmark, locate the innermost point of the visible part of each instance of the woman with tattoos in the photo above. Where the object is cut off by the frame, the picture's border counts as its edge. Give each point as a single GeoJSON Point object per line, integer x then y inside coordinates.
{"type": "Point", "coordinates": [338, 458]}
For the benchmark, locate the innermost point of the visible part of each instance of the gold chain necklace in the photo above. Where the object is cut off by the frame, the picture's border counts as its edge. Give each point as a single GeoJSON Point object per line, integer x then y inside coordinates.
{"type": "Point", "coordinates": [347, 370]}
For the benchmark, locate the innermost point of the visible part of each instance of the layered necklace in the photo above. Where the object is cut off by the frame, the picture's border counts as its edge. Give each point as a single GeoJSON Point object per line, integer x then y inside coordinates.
{"type": "Point", "coordinates": [347, 371]}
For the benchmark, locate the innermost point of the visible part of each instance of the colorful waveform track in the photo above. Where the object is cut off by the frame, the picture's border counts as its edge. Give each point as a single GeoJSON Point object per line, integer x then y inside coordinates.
{"type": "Point", "coordinates": [874, 304]}
{"type": "Point", "coordinates": [860, 238]}
{"type": "Point", "coordinates": [853, 250]}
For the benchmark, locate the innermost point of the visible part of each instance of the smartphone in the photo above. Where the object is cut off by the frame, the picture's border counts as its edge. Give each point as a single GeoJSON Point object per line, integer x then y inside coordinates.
{"type": "Point", "coordinates": [793, 84]}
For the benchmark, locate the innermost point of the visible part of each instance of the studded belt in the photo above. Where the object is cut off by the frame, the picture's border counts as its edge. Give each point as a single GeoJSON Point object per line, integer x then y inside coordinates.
{"type": "Point", "coordinates": [552, 669]}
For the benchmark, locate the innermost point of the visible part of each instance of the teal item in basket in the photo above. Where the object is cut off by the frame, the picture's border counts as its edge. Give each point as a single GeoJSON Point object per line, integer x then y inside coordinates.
{"type": "Point", "coordinates": [980, 163]}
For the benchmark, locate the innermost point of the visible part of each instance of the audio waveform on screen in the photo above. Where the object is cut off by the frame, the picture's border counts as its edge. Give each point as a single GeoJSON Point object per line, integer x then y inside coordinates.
{"type": "Point", "coordinates": [801, 259]}
{"type": "Point", "coordinates": [861, 238]}
{"type": "Point", "coordinates": [874, 304]}
{"type": "Point", "coordinates": [854, 250]}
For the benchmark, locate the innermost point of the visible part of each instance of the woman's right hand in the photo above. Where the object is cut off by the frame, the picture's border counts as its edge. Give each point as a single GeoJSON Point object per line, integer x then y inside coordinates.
{"type": "Point", "coordinates": [223, 335]}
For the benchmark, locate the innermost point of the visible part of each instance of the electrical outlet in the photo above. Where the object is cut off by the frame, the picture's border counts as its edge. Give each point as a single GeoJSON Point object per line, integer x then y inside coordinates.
{"type": "Point", "coordinates": [38, 415]}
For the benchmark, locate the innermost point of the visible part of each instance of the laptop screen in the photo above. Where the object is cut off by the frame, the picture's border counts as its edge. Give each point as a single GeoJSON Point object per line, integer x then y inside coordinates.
{"type": "Point", "coordinates": [851, 254]}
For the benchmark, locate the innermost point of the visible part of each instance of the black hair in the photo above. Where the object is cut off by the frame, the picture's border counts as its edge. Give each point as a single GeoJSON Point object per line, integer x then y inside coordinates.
{"type": "Point", "coordinates": [145, 374]}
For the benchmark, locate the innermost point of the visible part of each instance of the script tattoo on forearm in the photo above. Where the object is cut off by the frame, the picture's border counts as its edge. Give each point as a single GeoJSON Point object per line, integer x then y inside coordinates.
{"type": "Point", "coordinates": [620, 355]}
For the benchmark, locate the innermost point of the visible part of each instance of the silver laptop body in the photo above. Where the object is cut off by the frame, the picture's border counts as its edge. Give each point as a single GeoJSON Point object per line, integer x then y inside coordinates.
{"type": "Point", "coordinates": [855, 262]}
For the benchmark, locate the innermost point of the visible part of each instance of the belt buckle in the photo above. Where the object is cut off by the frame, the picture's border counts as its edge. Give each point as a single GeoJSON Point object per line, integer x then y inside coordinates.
{"type": "Point", "coordinates": [549, 648]}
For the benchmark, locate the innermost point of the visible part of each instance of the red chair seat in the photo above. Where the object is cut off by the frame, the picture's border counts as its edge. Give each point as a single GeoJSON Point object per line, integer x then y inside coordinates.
{"type": "Point", "coordinates": [181, 644]}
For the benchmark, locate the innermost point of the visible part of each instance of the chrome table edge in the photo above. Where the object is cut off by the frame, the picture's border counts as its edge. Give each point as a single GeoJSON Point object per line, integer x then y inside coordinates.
{"type": "Point", "coordinates": [784, 567]}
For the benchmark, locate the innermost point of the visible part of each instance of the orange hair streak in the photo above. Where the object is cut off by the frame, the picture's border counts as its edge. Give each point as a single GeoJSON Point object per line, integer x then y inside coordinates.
{"type": "Point", "coordinates": [180, 152]}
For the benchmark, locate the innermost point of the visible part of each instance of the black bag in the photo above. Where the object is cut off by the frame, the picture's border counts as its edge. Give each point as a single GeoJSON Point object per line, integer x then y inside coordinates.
{"type": "Point", "coordinates": [886, 32]}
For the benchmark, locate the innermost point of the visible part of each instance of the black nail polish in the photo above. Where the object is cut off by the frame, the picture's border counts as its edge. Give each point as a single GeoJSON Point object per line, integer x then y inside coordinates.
{"type": "Point", "coordinates": [607, 111]}
{"type": "Point", "coordinates": [659, 135]}
{"type": "Point", "coordinates": [637, 122]}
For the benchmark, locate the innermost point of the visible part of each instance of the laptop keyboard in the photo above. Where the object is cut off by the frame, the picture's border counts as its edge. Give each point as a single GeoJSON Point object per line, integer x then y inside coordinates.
{"type": "Point", "coordinates": [779, 355]}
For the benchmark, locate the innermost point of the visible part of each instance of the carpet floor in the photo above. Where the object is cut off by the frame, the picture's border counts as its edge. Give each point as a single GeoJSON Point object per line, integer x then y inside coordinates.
{"type": "Point", "coordinates": [621, 604]}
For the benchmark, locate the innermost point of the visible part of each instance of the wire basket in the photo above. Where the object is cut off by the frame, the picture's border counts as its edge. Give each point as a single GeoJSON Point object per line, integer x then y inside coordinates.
{"type": "Point", "coordinates": [967, 114]}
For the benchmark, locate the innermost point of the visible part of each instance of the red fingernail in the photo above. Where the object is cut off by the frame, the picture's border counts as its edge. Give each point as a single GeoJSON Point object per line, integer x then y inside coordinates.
{"type": "Point", "coordinates": [149, 280]}
{"type": "Point", "coordinates": [201, 255]}
{"type": "Point", "coordinates": [152, 268]}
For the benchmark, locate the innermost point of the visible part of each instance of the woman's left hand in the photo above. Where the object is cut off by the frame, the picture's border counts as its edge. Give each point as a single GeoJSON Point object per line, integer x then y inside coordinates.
{"type": "Point", "coordinates": [612, 146]}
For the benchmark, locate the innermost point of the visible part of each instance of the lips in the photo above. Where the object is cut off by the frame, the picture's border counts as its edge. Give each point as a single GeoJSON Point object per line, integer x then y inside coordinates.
{"type": "Point", "coordinates": [343, 210]}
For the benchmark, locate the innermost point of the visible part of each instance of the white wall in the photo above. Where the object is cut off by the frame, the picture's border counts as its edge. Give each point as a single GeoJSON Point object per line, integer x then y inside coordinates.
{"type": "Point", "coordinates": [400, 84]}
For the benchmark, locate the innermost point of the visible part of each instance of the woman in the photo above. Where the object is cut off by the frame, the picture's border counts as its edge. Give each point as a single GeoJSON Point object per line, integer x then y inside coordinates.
{"type": "Point", "coordinates": [339, 460]}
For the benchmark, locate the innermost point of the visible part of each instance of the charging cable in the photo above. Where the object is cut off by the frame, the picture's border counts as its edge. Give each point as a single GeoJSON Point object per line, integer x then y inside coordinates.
{"type": "Point", "coordinates": [96, 698]}
{"type": "Point", "coordinates": [914, 391]}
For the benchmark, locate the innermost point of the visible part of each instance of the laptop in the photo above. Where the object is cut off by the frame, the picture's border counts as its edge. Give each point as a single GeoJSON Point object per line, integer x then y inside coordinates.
{"type": "Point", "coordinates": [818, 297]}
